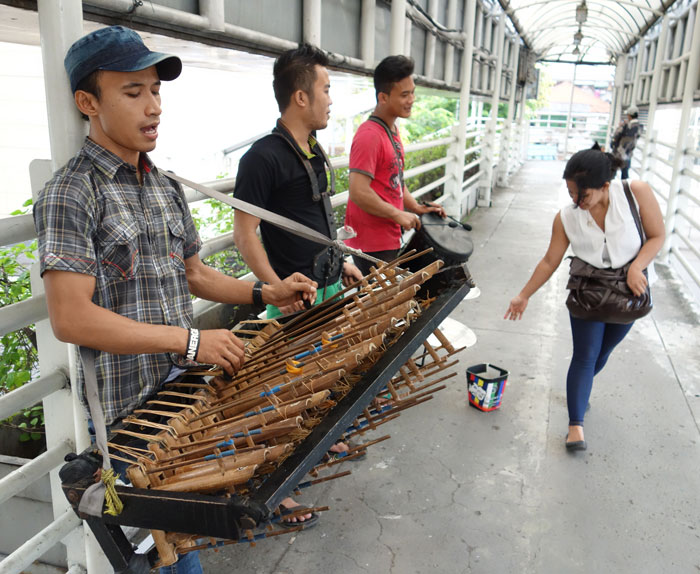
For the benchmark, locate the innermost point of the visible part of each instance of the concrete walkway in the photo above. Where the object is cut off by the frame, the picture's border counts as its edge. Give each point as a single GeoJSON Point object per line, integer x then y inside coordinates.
{"type": "Point", "coordinates": [460, 491]}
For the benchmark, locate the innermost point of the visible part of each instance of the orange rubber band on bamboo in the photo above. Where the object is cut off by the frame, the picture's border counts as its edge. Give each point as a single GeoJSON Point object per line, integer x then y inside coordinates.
{"type": "Point", "coordinates": [294, 367]}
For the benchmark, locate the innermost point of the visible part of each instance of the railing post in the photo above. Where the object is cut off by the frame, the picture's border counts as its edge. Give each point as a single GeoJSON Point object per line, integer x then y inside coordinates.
{"type": "Point", "coordinates": [450, 49]}
{"type": "Point", "coordinates": [368, 32]}
{"type": "Point", "coordinates": [617, 97]}
{"type": "Point", "coordinates": [453, 186]}
{"type": "Point", "coordinates": [689, 86]}
{"type": "Point", "coordinates": [312, 22]}
{"type": "Point", "coordinates": [60, 24]}
{"type": "Point", "coordinates": [398, 27]}
{"type": "Point", "coordinates": [431, 41]}
{"type": "Point", "coordinates": [523, 129]}
{"type": "Point", "coordinates": [489, 149]}
{"type": "Point", "coordinates": [213, 11]}
{"type": "Point", "coordinates": [569, 118]}
{"type": "Point", "coordinates": [507, 135]}
{"type": "Point", "coordinates": [408, 30]}
{"type": "Point", "coordinates": [654, 95]}
{"type": "Point", "coordinates": [636, 79]}
{"type": "Point", "coordinates": [650, 149]}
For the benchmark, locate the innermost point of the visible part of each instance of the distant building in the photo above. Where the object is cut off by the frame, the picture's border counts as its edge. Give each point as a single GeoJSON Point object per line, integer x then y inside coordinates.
{"type": "Point", "coordinates": [590, 110]}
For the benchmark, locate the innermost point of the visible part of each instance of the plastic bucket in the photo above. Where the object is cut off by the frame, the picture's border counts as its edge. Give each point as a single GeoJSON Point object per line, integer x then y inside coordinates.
{"type": "Point", "coordinates": [486, 383]}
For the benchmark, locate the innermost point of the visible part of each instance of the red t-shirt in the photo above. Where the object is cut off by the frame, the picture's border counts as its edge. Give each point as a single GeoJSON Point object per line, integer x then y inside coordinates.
{"type": "Point", "coordinates": [373, 155]}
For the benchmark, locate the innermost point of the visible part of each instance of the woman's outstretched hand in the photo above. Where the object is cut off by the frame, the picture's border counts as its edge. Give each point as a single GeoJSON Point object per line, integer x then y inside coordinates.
{"type": "Point", "coordinates": [516, 308]}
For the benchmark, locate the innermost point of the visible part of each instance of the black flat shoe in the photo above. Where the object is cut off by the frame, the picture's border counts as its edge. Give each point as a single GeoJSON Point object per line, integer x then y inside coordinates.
{"type": "Point", "coordinates": [576, 445]}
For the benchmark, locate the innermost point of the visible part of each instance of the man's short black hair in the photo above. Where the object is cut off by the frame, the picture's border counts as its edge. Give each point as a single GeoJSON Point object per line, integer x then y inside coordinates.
{"type": "Point", "coordinates": [90, 84]}
{"type": "Point", "coordinates": [296, 70]}
{"type": "Point", "coordinates": [390, 70]}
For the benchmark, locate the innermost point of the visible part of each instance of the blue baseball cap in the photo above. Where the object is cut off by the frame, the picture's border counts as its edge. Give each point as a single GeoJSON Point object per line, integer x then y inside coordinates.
{"type": "Point", "coordinates": [117, 49]}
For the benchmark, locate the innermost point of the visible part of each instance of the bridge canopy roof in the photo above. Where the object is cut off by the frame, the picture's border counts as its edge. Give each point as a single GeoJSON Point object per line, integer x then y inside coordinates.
{"type": "Point", "coordinates": [594, 31]}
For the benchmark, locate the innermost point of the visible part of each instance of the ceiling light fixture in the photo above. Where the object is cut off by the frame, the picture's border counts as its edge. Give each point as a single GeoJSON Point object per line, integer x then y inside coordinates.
{"type": "Point", "coordinates": [578, 36]}
{"type": "Point", "coordinates": [576, 51]}
{"type": "Point", "coordinates": [582, 12]}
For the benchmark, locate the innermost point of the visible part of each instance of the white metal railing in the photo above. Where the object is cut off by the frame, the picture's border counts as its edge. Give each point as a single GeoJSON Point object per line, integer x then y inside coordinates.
{"type": "Point", "coordinates": [25, 313]}
{"type": "Point", "coordinates": [675, 179]}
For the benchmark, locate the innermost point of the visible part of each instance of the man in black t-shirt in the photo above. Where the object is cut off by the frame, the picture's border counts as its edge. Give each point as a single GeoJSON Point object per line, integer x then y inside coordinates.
{"type": "Point", "coordinates": [285, 172]}
{"type": "Point", "coordinates": [272, 176]}
{"type": "Point", "coordinates": [276, 173]}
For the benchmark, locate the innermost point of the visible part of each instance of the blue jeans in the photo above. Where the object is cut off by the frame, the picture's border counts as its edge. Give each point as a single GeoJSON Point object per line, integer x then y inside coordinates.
{"type": "Point", "coordinates": [593, 343]}
{"type": "Point", "coordinates": [625, 169]}
{"type": "Point", "coordinates": [186, 564]}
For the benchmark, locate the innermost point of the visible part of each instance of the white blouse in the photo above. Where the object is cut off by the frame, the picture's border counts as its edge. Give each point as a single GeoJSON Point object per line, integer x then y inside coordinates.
{"type": "Point", "coordinates": [614, 247]}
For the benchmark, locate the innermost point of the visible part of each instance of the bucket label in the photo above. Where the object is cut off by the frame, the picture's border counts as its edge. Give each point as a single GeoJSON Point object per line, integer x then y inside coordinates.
{"type": "Point", "coordinates": [477, 391]}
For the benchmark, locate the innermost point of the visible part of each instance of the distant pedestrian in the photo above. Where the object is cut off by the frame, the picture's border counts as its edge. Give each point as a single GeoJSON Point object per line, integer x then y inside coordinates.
{"type": "Point", "coordinates": [600, 227]}
{"type": "Point", "coordinates": [625, 139]}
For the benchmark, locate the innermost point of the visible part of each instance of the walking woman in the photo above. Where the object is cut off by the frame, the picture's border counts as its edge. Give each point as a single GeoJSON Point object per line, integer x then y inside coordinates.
{"type": "Point", "coordinates": [600, 227]}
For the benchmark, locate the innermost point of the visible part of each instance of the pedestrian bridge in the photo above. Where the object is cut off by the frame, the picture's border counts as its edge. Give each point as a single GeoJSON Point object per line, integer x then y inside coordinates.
{"type": "Point", "coordinates": [455, 490]}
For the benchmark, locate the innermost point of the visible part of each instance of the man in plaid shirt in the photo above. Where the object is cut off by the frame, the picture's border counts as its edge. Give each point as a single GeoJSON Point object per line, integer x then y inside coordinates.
{"type": "Point", "coordinates": [117, 243]}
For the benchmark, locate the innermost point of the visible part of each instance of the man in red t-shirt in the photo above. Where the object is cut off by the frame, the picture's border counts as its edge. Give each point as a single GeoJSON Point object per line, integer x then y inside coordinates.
{"type": "Point", "coordinates": [379, 204]}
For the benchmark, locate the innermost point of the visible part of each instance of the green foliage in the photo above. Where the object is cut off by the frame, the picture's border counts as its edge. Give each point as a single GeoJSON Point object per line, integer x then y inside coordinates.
{"type": "Point", "coordinates": [342, 183]}
{"type": "Point", "coordinates": [30, 423]}
{"type": "Point", "coordinates": [421, 157]}
{"type": "Point", "coordinates": [502, 109]}
{"type": "Point", "coordinates": [214, 219]}
{"type": "Point", "coordinates": [543, 93]}
{"type": "Point", "coordinates": [19, 359]}
{"type": "Point", "coordinates": [430, 114]}
{"type": "Point", "coordinates": [431, 118]}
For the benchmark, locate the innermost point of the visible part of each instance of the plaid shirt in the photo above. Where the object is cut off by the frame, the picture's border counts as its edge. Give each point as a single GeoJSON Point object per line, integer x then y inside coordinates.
{"type": "Point", "coordinates": [94, 217]}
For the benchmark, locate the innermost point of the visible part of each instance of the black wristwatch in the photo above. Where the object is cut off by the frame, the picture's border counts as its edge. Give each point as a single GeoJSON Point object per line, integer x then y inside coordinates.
{"type": "Point", "coordinates": [257, 293]}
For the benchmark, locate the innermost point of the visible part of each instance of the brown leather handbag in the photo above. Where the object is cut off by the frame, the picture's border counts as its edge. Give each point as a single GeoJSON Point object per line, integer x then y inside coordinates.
{"type": "Point", "coordinates": [603, 294]}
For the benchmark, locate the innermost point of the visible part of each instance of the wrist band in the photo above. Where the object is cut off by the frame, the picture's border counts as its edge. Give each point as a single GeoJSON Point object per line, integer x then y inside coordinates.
{"type": "Point", "coordinates": [192, 345]}
{"type": "Point", "coordinates": [257, 293]}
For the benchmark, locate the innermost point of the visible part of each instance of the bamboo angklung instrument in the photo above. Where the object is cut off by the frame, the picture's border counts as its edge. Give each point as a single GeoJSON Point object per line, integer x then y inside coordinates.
{"type": "Point", "coordinates": [219, 435]}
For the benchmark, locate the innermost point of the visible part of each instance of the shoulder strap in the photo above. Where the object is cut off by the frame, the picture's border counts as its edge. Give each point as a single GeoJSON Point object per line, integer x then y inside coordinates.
{"type": "Point", "coordinates": [633, 208]}
{"type": "Point", "coordinates": [93, 499]}
{"type": "Point", "coordinates": [394, 144]}
{"type": "Point", "coordinates": [316, 194]}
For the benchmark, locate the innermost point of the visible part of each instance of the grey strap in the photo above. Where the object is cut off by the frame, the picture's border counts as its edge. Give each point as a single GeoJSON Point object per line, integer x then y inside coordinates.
{"type": "Point", "coordinates": [316, 194]}
{"type": "Point", "coordinates": [92, 500]}
{"type": "Point", "coordinates": [271, 217]}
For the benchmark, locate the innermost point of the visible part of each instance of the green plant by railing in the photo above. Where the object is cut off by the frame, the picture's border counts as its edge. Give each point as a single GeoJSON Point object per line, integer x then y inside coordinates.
{"type": "Point", "coordinates": [19, 359]}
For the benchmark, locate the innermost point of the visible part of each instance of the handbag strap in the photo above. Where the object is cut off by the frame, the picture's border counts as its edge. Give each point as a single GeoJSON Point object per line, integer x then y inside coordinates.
{"type": "Point", "coordinates": [633, 208]}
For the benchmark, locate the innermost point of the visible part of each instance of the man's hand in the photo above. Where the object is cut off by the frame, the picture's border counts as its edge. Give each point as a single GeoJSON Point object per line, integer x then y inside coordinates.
{"type": "Point", "coordinates": [350, 274]}
{"type": "Point", "coordinates": [407, 220]}
{"type": "Point", "coordinates": [429, 207]}
{"type": "Point", "coordinates": [293, 291]}
{"type": "Point", "coordinates": [221, 347]}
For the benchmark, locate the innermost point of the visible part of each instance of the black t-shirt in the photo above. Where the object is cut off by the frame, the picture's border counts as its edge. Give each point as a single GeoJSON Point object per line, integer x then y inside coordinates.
{"type": "Point", "coordinates": [271, 176]}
